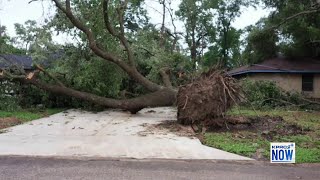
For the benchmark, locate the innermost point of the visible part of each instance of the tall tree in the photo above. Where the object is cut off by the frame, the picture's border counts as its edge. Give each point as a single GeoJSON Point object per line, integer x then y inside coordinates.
{"type": "Point", "coordinates": [34, 38]}
{"type": "Point", "coordinates": [6, 42]}
{"type": "Point", "coordinates": [291, 29]}
{"type": "Point", "coordinates": [197, 17]}
{"type": "Point", "coordinates": [298, 27]}
{"type": "Point", "coordinates": [225, 43]}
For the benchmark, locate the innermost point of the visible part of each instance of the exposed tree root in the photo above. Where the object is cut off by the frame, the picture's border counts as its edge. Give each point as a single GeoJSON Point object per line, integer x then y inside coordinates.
{"type": "Point", "coordinates": [207, 98]}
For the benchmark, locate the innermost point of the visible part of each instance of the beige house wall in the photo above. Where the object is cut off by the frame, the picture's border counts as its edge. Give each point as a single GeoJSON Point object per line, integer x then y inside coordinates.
{"type": "Point", "coordinates": [289, 82]}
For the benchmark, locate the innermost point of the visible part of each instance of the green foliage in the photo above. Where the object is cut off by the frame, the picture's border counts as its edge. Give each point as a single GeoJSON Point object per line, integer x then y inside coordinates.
{"type": "Point", "coordinates": [208, 24]}
{"type": "Point", "coordinates": [226, 52]}
{"type": "Point", "coordinates": [9, 101]}
{"type": "Point", "coordinates": [36, 41]}
{"type": "Point", "coordinates": [15, 96]}
{"type": "Point", "coordinates": [151, 58]}
{"type": "Point", "coordinates": [261, 45]}
{"type": "Point", "coordinates": [6, 42]}
{"type": "Point", "coordinates": [297, 37]}
{"type": "Point", "coordinates": [177, 63]}
{"type": "Point", "coordinates": [226, 40]}
{"type": "Point", "coordinates": [197, 17]}
{"type": "Point", "coordinates": [82, 70]}
{"type": "Point", "coordinates": [266, 94]}
{"type": "Point", "coordinates": [261, 94]}
{"type": "Point", "coordinates": [93, 74]}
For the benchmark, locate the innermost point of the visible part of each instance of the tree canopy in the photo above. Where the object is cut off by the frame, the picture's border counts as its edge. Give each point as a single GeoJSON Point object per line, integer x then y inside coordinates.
{"type": "Point", "coordinates": [291, 29]}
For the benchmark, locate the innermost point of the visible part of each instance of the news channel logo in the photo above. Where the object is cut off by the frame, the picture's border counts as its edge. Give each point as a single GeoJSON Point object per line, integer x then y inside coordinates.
{"type": "Point", "coordinates": [283, 152]}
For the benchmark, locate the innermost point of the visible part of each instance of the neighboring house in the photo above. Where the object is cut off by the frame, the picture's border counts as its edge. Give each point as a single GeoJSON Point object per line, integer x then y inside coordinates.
{"type": "Point", "coordinates": [15, 62]}
{"type": "Point", "coordinates": [9, 61]}
{"type": "Point", "coordinates": [300, 75]}
{"type": "Point", "coordinates": [26, 62]}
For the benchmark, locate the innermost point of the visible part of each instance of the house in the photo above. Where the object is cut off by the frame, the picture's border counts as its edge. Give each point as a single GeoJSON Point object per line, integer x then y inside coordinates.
{"type": "Point", "coordinates": [300, 75]}
{"type": "Point", "coordinates": [19, 61]}
{"type": "Point", "coordinates": [15, 62]}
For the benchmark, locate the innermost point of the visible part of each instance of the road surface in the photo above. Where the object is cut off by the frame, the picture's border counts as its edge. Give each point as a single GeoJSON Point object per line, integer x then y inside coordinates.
{"type": "Point", "coordinates": [26, 168]}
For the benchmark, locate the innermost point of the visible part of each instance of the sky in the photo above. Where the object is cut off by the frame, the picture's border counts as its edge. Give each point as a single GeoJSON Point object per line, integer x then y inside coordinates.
{"type": "Point", "coordinates": [19, 11]}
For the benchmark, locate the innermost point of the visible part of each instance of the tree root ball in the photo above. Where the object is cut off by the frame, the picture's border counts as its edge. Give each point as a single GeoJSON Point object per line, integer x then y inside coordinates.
{"type": "Point", "coordinates": [207, 98]}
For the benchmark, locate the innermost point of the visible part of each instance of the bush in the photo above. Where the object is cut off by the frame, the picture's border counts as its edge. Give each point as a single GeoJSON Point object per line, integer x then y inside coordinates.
{"type": "Point", "coordinates": [261, 93]}
{"type": "Point", "coordinates": [9, 103]}
{"type": "Point", "coordinates": [9, 100]}
{"type": "Point", "coordinates": [266, 95]}
{"type": "Point", "coordinates": [14, 95]}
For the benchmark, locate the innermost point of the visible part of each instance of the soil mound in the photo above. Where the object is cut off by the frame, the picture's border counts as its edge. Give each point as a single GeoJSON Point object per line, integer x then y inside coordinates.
{"type": "Point", "coordinates": [267, 126]}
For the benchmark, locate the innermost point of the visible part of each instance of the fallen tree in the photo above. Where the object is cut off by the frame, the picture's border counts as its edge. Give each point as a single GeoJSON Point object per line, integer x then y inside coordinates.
{"type": "Point", "coordinates": [211, 87]}
{"type": "Point", "coordinates": [158, 96]}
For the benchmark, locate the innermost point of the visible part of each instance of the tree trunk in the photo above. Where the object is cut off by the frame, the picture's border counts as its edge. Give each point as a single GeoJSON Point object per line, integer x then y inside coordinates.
{"type": "Point", "coordinates": [194, 56]}
{"type": "Point", "coordinates": [163, 97]}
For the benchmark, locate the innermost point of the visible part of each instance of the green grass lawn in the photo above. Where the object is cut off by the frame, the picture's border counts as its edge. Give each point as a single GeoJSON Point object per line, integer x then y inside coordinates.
{"type": "Point", "coordinates": [29, 114]}
{"type": "Point", "coordinates": [250, 144]}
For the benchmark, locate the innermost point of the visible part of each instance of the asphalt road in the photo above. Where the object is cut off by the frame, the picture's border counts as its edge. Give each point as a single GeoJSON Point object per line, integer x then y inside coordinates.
{"type": "Point", "coordinates": [52, 168]}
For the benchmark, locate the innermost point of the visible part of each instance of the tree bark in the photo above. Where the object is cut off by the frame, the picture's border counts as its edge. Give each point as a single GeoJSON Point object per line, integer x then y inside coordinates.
{"type": "Point", "coordinates": [166, 77]}
{"type": "Point", "coordinates": [163, 97]}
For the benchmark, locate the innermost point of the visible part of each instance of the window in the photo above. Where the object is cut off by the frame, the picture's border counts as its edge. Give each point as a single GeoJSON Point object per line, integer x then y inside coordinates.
{"type": "Point", "coordinates": [307, 82]}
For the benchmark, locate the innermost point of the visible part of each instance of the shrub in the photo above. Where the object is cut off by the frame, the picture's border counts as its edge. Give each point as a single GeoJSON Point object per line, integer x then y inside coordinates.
{"type": "Point", "coordinates": [266, 95]}
{"type": "Point", "coordinates": [9, 100]}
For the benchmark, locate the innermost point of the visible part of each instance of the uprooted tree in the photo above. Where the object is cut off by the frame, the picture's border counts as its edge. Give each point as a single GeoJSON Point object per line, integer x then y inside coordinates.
{"type": "Point", "coordinates": [210, 91]}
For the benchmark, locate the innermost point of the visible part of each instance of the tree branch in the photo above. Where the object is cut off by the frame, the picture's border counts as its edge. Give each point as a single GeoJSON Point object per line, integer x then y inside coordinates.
{"type": "Point", "coordinates": [175, 33]}
{"type": "Point", "coordinates": [77, 23]}
{"type": "Point", "coordinates": [121, 36]}
{"type": "Point", "coordinates": [313, 10]}
{"type": "Point", "coordinates": [130, 70]}
{"type": "Point", "coordinates": [7, 75]}
{"type": "Point", "coordinates": [165, 77]}
{"type": "Point", "coordinates": [162, 31]}
{"type": "Point", "coordinates": [50, 75]}
{"type": "Point", "coordinates": [200, 38]}
{"type": "Point", "coordinates": [107, 19]}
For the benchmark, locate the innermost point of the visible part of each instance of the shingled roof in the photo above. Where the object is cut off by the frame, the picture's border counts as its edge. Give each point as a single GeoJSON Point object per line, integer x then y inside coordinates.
{"type": "Point", "coordinates": [280, 65]}
{"type": "Point", "coordinates": [7, 61]}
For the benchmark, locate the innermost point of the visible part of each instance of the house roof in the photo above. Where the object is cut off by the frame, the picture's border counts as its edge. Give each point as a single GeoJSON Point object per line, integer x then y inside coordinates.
{"type": "Point", "coordinates": [9, 60]}
{"type": "Point", "coordinates": [280, 65]}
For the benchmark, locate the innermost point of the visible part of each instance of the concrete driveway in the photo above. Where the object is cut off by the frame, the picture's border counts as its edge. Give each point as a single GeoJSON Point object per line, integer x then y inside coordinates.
{"type": "Point", "coordinates": [149, 134]}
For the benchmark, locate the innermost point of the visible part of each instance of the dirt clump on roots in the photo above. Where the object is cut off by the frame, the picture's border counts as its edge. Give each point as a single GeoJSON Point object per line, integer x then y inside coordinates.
{"type": "Point", "coordinates": [207, 98]}
{"type": "Point", "coordinates": [8, 122]}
